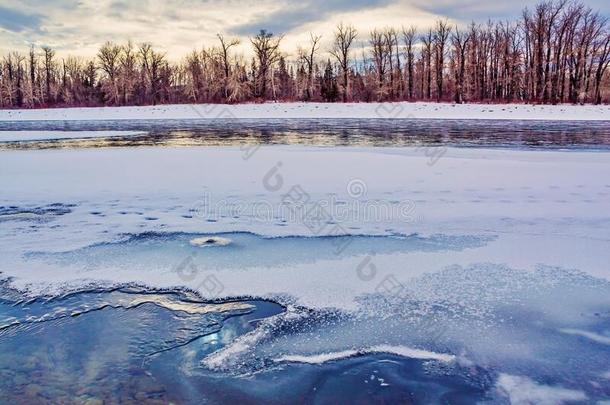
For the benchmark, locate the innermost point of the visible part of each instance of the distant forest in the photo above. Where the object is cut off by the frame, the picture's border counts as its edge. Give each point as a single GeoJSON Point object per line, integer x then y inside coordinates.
{"type": "Point", "coordinates": [556, 52]}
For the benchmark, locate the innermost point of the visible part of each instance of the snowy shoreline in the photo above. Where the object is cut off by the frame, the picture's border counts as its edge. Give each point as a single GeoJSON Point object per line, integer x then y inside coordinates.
{"type": "Point", "coordinates": [400, 110]}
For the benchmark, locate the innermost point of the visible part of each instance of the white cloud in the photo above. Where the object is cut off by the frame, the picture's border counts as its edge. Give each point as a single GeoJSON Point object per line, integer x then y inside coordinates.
{"type": "Point", "coordinates": [180, 26]}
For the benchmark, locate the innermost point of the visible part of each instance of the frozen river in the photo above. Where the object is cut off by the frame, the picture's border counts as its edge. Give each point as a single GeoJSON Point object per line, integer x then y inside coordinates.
{"type": "Point", "coordinates": [379, 261]}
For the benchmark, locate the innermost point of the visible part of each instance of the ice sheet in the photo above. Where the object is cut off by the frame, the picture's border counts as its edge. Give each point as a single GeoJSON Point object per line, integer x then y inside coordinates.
{"type": "Point", "coordinates": [541, 208]}
{"type": "Point", "coordinates": [496, 257]}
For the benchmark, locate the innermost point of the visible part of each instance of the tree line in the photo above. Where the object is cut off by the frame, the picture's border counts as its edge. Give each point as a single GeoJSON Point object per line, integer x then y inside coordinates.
{"type": "Point", "coordinates": [556, 52]}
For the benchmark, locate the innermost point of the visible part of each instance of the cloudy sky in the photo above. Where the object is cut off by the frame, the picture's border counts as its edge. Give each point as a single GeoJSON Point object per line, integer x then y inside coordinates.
{"type": "Point", "coordinates": [178, 26]}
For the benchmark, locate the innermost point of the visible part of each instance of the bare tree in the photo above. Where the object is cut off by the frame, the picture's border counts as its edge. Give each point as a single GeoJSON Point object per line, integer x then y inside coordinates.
{"type": "Point", "coordinates": [427, 45]}
{"type": "Point", "coordinates": [602, 66]}
{"type": "Point", "coordinates": [33, 62]}
{"type": "Point", "coordinates": [128, 72]}
{"type": "Point", "coordinates": [379, 48]}
{"type": "Point", "coordinates": [391, 39]}
{"type": "Point", "coordinates": [408, 36]}
{"type": "Point", "coordinates": [441, 35]}
{"type": "Point", "coordinates": [308, 57]}
{"type": "Point", "coordinates": [109, 57]}
{"type": "Point", "coordinates": [460, 42]}
{"type": "Point", "coordinates": [266, 48]}
{"type": "Point", "coordinates": [18, 77]}
{"type": "Point", "coordinates": [557, 52]}
{"type": "Point", "coordinates": [49, 67]}
{"type": "Point", "coordinates": [553, 12]}
{"type": "Point", "coordinates": [344, 37]}
{"type": "Point", "coordinates": [225, 46]}
{"type": "Point", "coordinates": [153, 64]}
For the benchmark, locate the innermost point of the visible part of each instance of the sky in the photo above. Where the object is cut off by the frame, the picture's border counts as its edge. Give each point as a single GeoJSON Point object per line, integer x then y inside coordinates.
{"type": "Point", "coordinates": [177, 27]}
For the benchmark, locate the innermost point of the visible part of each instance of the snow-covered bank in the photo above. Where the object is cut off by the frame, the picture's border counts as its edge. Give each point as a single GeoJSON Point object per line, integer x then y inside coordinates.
{"type": "Point", "coordinates": [318, 110]}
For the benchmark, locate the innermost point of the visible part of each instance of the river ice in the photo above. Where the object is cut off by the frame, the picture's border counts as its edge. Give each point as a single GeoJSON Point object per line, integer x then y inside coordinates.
{"type": "Point", "coordinates": [479, 259]}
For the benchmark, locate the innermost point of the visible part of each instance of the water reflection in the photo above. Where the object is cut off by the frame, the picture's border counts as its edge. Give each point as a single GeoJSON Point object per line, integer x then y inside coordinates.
{"type": "Point", "coordinates": [325, 132]}
{"type": "Point", "coordinates": [95, 346]}
{"type": "Point", "coordinates": [129, 345]}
